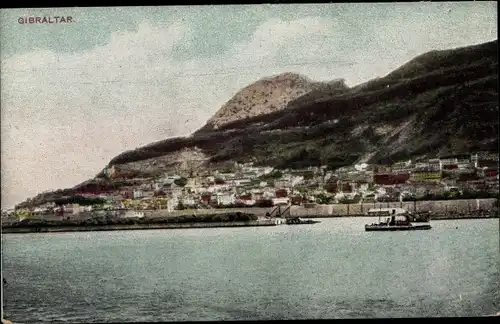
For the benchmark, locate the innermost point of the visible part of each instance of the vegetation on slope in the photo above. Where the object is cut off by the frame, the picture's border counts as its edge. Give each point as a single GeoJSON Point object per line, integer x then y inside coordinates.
{"type": "Point", "coordinates": [447, 98]}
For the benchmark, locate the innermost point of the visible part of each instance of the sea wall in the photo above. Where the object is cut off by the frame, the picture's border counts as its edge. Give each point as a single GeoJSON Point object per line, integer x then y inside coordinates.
{"type": "Point", "coordinates": [439, 208]}
{"type": "Point", "coordinates": [122, 227]}
{"type": "Point", "coordinates": [442, 207]}
{"type": "Point", "coordinates": [259, 211]}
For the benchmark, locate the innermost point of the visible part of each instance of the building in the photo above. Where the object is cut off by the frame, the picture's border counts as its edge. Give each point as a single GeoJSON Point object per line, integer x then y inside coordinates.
{"type": "Point", "coordinates": [455, 159]}
{"type": "Point", "coordinates": [188, 201]}
{"type": "Point", "coordinates": [281, 201]}
{"type": "Point", "coordinates": [448, 164]}
{"type": "Point", "coordinates": [401, 168]}
{"type": "Point", "coordinates": [388, 179]}
{"type": "Point", "coordinates": [73, 209]}
{"type": "Point", "coordinates": [470, 176]}
{"type": "Point", "coordinates": [283, 183]}
{"type": "Point", "coordinates": [225, 199]}
{"type": "Point", "coordinates": [332, 187]}
{"type": "Point", "coordinates": [490, 173]}
{"type": "Point", "coordinates": [133, 214]}
{"type": "Point", "coordinates": [257, 195]}
{"type": "Point", "coordinates": [346, 187]}
{"type": "Point", "coordinates": [425, 174]}
{"type": "Point", "coordinates": [296, 200]}
{"type": "Point", "coordinates": [281, 193]}
{"type": "Point", "coordinates": [246, 199]}
{"type": "Point", "coordinates": [137, 193]}
{"type": "Point", "coordinates": [361, 166]}
{"type": "Point", "coordinates": [241, 182]}
{"type": "Point", "coordinates": [206, 198]}
{"type": "Point", "coordinates": [487, 172]}
{"type": "Point", "coordinates": [491, 164]}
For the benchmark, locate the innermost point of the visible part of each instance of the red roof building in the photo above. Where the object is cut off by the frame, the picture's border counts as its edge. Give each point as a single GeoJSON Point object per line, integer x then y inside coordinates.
{"type": "Point", "coordinates": [487, 164]}
{"type": "Point", "coordinates": [281, 193]}
{"type": "Point", "coordinates": [331, 187]}
{"type": "Point", "coordinates": [245, 197]}
{"type": "Point", "coordinates": [346, 187]}
{"type": "Point", "coordinates": [206, 198]}
{"type": "Point", "coordinates": [468, 177]}
{"type": "Point", "coordinates": [391, 179]}
{"type": "Point", "coordinates": [491, 173]}
{"type": "Point", "coordinates": [296, 200]}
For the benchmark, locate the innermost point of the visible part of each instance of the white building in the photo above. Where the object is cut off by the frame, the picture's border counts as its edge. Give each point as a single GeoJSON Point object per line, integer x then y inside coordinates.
{"type": "Point", "coordinates": [226, 176]}
{"type": "Point", "coordinates": [344, 195]}
{"type": "Point", "coordinates": [188, 201]}
{"type": "Point", "coordinates": [172, 203]}
{"type": "Point", "coordinates": [225, 199]}
{"type": "Point", "coordinates": [136, 194]}
{"type": "Point", "coordinates": [282, 183]}
{"type": "Point", "coordinates": [148, 194]}
{"type": "Point", "coordinates": [361, 166]}
{"type": "Point", "coordinates": [72, 209]}
{"type": "Point", "coordinates": [241, 182]}
{"type": "Point", "coordinates": [464, 165]}
{"type": "Point", "coordinates": [249, 202]}
{"type": "Point", "coordinates": [281, 201]}
{"type": "Point", "coordinates": [191, 183]}
{"type": "Point", "coordinates": [87, 208]}
{"type": "Point", "coordinates": [133, 214]}
{"type": "Point", "coordinates": [169, 179]}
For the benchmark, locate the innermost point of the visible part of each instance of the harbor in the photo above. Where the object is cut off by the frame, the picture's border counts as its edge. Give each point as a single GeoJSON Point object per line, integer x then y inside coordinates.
{"type": "Point", "coordinates": [196, 263]}
{"type": "Point", "coordinates": [113, 220]}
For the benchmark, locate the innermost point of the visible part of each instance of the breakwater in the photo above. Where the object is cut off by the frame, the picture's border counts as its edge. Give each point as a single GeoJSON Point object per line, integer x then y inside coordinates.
{"type": "Point", "coordinates": [122, 227]}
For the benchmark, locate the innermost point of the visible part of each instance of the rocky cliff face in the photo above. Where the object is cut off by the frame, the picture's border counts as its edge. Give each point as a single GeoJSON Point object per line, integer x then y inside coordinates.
{"type": "Point", "coordinates": [266, 96]}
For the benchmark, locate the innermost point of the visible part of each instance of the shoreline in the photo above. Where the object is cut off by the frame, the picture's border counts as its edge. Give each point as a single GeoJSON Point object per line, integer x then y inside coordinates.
{"type": "Point", "coordinates": [127, 227]}
{"type": "Point", "coordinates": [153, 226]}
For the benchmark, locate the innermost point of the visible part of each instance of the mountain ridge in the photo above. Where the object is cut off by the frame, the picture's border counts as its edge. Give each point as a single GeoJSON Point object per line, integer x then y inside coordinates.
{"type": "Point", "coordinates": [440, 102]}
{"type": "Point", "coordinates": [477, 67]}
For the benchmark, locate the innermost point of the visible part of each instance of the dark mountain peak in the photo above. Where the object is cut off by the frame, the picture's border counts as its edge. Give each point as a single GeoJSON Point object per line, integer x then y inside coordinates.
{"type": "Point", "coordinates": [443, 59]}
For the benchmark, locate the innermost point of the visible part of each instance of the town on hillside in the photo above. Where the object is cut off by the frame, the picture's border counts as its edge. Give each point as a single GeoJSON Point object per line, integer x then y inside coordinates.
{"type": "Point", "coordinates": [245, 185]}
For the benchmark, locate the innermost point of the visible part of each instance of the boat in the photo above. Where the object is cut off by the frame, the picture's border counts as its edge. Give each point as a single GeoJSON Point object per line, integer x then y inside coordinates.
{"type": "Point", "coordinates": [284, 217]}
{"type": "Point", "coordinates": [399, 222]}
{"type": "Point", "coordinates": [298, 221]}
{"type": "Point", "coordinates": [414, 217]}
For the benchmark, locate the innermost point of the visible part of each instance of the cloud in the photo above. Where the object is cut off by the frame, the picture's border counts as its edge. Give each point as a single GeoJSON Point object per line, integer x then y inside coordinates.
{"type": "Point", "coordinates": [65, 115]}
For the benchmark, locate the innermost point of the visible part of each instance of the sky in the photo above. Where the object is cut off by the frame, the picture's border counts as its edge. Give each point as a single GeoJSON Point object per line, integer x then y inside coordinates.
{"type": "Point", "coordinates": [75, 95]}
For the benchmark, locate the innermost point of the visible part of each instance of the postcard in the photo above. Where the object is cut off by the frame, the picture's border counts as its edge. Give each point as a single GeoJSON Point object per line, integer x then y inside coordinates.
{"type": "Point", "coordinates": [249, 162]}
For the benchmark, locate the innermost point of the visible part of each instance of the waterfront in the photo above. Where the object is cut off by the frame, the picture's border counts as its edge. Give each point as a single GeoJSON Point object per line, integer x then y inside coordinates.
{"type": "Point", "coordinates": [328, 270]}
{"type": "Point", "coordinates": [130, 227]}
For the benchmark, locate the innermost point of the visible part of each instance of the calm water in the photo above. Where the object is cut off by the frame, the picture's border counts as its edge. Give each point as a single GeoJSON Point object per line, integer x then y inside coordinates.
{"type": "Point", "coordinates": [328, 270]}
